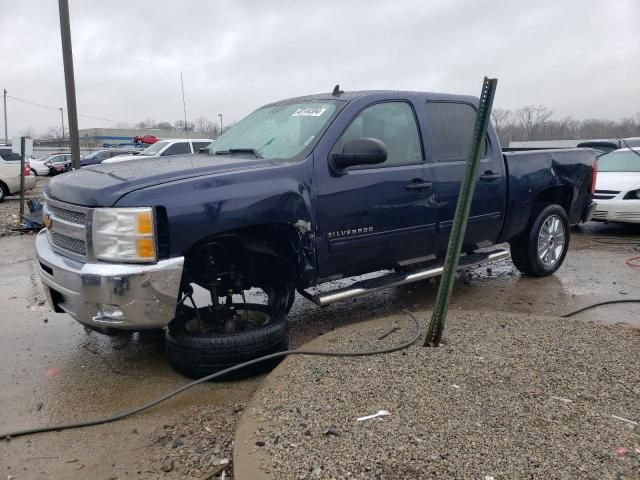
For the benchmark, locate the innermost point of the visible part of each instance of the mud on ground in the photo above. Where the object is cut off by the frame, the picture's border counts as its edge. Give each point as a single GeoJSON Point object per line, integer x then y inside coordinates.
{"type": "Point", "coordinates": [52, 371]}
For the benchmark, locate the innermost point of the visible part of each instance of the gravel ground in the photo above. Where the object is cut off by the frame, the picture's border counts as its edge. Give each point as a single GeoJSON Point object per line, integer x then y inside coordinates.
{"type": "Point", "coordinates": [506, 397]}
{"type": "Point", "coordinates": [11, 206]}
{"type": "Point", "coordinates": [200, 444]}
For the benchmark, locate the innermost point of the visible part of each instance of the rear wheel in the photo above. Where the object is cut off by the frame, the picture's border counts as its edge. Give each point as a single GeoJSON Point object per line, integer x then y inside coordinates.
{"type": "Point", "coordinates": [34, 172]}
{"type": "Point", "coordinates": [4, 192]}
{"type": "Point", "coordinates": [541, 249]}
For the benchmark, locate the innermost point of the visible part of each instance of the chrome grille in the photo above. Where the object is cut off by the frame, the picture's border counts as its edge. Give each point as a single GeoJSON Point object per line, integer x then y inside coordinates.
{"type": "Point", "coordinates": [68, 215]}
{"type": "Point", "coordinates": [73, 245]}
{"type": "Point", "coordinates": [68, 228]}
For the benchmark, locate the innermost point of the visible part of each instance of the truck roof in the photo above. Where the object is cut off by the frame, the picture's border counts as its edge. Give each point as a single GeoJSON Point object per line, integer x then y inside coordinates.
{"type": "Point", "coordinates": [379, 95]}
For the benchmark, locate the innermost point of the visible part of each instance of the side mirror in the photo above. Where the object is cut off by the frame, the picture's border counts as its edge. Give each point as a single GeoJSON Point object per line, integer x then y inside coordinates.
{"type": "Point", "coordinates": [361, 151]}
{"type": "Point", "coordinates": [204, 150]}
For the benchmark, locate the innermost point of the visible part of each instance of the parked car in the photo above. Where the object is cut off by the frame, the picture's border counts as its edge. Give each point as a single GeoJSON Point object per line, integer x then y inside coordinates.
{"type": "Point", "coordinates": [95, 158]}
{"type": "Point", "coordinates": [618, 187]}
{"type": "Point", "coordinates": [609, 145]}
{"type": "Point", "coordinates": [43, 166]}
{"type": "Point", "coordinates": [165, 148]}
{"type": "Point", "coordinates": [299, 193]}
{"type": "Point", "coordinates": [147, 139]}
{"type": "Point", "coordinates": [10, 177]}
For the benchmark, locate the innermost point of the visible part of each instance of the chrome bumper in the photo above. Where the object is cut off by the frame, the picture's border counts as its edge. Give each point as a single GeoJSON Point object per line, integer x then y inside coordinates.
{"type": "Point", "coordinates": [101, 295]}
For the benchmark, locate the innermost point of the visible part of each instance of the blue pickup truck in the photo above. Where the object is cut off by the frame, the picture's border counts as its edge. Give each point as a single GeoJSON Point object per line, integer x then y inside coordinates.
{"type": "Point", "coordinates": [297, 194]}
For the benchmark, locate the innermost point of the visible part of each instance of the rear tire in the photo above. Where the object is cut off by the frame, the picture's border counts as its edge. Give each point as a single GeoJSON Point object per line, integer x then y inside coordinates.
{"type": "Point", "coordinates": [197, 354]}
{"type": "Point", "coordinates": [4, 192]}
{"type": "Point", "coordinates": [541, 249]}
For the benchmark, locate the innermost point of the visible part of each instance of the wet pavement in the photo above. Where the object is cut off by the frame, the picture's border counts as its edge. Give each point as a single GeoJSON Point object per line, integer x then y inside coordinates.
{"type": "Point", "coordinates": [52, 371]}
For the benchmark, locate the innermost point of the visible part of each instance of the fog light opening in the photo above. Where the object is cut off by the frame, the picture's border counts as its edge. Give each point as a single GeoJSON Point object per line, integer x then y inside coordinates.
{"type": "Point", "coordinates": [108, 313]}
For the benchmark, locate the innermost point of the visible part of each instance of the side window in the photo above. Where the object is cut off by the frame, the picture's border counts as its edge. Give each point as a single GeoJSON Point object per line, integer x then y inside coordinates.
{"type": "Point", "coordinates": [198, 145]}
{"type": "Point", "coordinates": [180, 148]}
{"type": "Point", "coordinates": [450, 127]}
{"type": "Point", "coordinates": [394, 124]}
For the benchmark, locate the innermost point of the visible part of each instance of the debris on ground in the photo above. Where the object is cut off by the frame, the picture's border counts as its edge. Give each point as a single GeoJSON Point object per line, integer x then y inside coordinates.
{"type": "Point", "coordinates": [10, 221]}
{"type": "Point", "coordinates": [200, 443]}
{"type": "Point", "coordinates": [379, 413]}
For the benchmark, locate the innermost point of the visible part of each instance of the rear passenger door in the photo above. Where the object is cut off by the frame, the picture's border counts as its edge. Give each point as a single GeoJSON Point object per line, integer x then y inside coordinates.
{"type": "Point", "coordinates": [449, 131]}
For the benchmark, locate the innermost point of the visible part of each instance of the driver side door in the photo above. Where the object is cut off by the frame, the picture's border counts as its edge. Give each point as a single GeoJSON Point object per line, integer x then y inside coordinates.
{"type": "Point", "coordinates": [376, 216]}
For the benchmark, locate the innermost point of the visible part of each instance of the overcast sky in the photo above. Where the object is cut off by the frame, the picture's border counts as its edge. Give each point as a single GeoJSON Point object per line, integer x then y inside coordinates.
{"type": "Point", "coordinates": [578, 57]}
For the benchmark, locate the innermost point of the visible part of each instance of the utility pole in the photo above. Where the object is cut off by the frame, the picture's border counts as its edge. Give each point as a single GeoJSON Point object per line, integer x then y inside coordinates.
{"type": "Point", "coordinates": [220, 115]}
{"type": "Point", "coordinates": [184, 104]}
{"type": "Point", "coordinates": [69, 82]}
{"type": "Point", "coordinates": [62, 121]}
{"type": "Point", "coordinates": [6, 135]}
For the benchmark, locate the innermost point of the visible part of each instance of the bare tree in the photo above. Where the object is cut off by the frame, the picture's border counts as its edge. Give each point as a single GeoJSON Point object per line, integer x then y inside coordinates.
{"type": "Point", "coordinates": [164, 125]}
{"type": "Point", "coordinates": [183, 126]}
{"type": "Point", "coordinates": [53, 133]}
{"type": "Point", "coordinates": [148, 123]}
{"type": "Point", "coordinates": [501, 117]}
{"type": "Point", "coordinates": [532, 119]}
{"type": "Point", "coordinates": [534, 122]}
{"type": "Point", "coordinates": [28, 132]}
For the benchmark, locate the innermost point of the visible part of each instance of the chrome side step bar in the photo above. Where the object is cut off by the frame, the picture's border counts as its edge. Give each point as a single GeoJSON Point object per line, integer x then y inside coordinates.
{"type": "Point", "coordinates": [363, 287]}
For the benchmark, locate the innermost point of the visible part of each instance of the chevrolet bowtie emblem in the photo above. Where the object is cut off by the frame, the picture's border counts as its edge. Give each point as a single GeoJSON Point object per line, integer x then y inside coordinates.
{"type": "Point", "coordinates": [48, 223]}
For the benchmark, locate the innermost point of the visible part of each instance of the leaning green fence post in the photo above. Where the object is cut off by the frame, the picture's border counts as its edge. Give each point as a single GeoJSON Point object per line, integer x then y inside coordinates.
{"type": "Point", "coordinates": [436, 327]}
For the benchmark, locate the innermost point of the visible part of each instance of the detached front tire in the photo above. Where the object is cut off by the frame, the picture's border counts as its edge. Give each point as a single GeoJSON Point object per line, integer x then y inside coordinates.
{"type": "Point", "coordinates": [541, 249]}
{"type": "Point", "coordinates": [197, 355]}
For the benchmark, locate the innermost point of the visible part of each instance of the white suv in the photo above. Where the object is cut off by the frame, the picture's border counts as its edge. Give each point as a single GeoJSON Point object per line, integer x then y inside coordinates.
{"type": "Point", "coordinates": [164, 148]}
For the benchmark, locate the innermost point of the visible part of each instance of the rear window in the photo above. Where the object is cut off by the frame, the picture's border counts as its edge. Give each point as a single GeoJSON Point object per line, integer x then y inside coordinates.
{"type": "Point", "coordinates": [198, 145]}
{"type": "Point", "coordinates": [450, 129]}
{"type": "Point", "coordinates": [620, 161]}
{"type": "Point", "coordinates": [7, 154]}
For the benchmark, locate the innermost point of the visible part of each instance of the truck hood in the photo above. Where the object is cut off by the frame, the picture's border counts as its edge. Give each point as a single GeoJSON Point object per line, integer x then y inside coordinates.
{"type": "Point", "coordinates": [618, 181]}
{"type": "Point", "coordinates": [102, 185]}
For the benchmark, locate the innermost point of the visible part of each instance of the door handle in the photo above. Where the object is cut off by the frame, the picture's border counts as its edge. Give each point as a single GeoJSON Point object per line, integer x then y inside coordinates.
{"type": "Point", "coordinates": [418, 185]}
{"type": "Point", "coordinates": [489, 175]}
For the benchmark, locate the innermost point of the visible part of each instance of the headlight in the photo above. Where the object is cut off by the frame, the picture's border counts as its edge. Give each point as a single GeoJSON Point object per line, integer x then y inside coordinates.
{"type": "Point", "coordinates": [632, 195]}
{"type": "Point", "coordinates": [124, 234]}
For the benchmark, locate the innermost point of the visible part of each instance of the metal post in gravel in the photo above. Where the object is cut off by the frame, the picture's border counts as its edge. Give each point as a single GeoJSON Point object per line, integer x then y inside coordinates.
{"type": "Point", "coordinates": [436, 327]}
{"type": "Point", "coordinates": [23, 157]}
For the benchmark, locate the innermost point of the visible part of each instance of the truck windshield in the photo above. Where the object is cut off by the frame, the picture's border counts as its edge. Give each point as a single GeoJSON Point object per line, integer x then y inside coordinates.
{"type": "Point", "coordinates": [154, 149]}
{"type": "Point", "coordinates": [277, 132]}
{"type": "Point", "coordinates": [620, 161]}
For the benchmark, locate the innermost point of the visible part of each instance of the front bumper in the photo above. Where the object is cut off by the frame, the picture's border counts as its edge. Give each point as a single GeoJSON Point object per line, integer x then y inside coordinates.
{"type": "Point", "coordinates": [627, 211]}
{"type": "Point", "coordinates": [107, 295]}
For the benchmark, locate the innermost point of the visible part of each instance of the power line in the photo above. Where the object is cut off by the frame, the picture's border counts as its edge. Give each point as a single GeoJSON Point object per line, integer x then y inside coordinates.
{"type": "Point", "coordinates": [48, 107]}
{"type": "Point", "coordinates": [32, 103]}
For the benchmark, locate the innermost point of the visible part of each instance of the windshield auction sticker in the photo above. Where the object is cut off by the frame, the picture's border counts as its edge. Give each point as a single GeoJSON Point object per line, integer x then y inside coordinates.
{"type": "Point", "coordinates": [309, 112]}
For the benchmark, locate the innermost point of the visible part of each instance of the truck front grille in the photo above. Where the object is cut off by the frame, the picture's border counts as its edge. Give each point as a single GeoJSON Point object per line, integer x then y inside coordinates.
{"type": "Point", "coordinates": [73, 245]}
{"type": "Point", "coordinates": [68, 227]}
{"type": "Point", "coordinates": [68, 215]}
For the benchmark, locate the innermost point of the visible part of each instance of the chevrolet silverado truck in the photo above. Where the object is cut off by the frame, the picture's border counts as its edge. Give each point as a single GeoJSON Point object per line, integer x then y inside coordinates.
{"type": "Point", "coordinates": [213, 247]}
